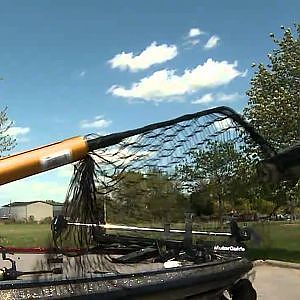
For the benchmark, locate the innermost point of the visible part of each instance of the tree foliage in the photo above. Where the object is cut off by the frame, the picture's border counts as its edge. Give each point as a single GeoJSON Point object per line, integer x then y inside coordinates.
{"type": "Point", "coordinates": [6, 141]}
{"type": "Point", "coordinates": [274, 103]}
{"type": "Point", "coordinates": [146, 197]}
{"type": "Point", "coordinates": [274, 96]}
{"type": "Point", "coordinates": [218, 172]}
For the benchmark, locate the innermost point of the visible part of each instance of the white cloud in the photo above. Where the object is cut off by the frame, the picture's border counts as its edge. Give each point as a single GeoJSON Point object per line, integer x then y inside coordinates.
{"type": "Point", "coordinates": [18, 131]}
{"type": "Point", "coordinates": [190, 43]}
{"type": "Point", "coordinates": [117, 155]}
{"type": "Point", "coordinates": [195, 32]}
{"type": "Point", "coordinates": [50, 185]}
{"type": "Point", "coordinates": [31, 189]}
{"type": "Point", "coordinates": [163, 84]}
{"type": "Point", "coordinates": [97, 122]}
{"type": "Point", "coordinates": [245, 73]}
{"type": "Point", "coordinates": [212, 42]}
{"type": "Point", "coordinates": [207, 98]}
{"type": "Point", "coordinates": [191, 39]}
{"type": "Point", "coordinates": [228, 97]}
{"type": "Point", "coordinates": [194, 42]}
{"type": "Point", "coordinates": [210, 97]}
{"type": "Point", "coordinates": [153, 54]}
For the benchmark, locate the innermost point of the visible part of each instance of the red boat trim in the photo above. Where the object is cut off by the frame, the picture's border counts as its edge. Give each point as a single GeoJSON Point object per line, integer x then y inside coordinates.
{"type": "Point", "coordinates": [41, 250]}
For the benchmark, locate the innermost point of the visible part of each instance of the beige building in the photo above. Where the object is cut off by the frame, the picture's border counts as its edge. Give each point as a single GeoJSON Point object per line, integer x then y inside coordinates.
{"type": "Point", "coordinates": [36, 210]}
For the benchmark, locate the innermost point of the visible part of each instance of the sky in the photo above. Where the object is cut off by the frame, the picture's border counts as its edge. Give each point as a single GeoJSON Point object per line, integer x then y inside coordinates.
{"type": "Point", "coordinates": [73, 67]}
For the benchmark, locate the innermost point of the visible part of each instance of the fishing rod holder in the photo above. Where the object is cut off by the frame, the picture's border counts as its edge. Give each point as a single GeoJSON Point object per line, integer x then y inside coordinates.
{"type": "Point", "coordinates": [236, 234]}
{"type": "Point", "coordinates": [60, 223]}
{"type": "Point", "coordinates": [8, 273]}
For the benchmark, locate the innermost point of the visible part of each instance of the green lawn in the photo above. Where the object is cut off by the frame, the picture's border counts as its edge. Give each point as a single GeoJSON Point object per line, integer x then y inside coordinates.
{"type": "Point", "coordinates": [280, 241]}
{"type": "Point", "coordinates": [25, 235]}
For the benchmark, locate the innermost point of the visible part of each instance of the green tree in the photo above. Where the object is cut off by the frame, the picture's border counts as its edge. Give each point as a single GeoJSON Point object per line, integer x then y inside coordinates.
{"type": "Point", "coordinates": [274, 102]}
{"type": "Point", "coordinates": [201, 203]}
{"type": "Point", "coordinates": [264, 206]}
{"type": "Point", "coordinates": [7, 143]}
{"type": "Point", "coordinates": [152, 196]}
{"type": "Point", "coordinates": [128, 199]}
{"type": "Point", "coordinates": [215, 171]}
{"type": "Point", "coordinates": [274, 96]}
{"type": "Point", "coordinates": [164, 201]}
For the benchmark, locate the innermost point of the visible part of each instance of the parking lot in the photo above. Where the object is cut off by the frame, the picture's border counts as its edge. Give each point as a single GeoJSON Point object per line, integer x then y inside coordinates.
{"type": "Point", "coordinates": [276, 283]}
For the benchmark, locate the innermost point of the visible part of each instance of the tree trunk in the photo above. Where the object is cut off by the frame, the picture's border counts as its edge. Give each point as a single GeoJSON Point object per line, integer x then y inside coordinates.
{"type": "Point", "coordinates": [220, 202]}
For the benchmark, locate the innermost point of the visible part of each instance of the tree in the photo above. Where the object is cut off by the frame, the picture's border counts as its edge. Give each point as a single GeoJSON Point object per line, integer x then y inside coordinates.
{"type": "Point", "coordinates": [128, 198]}
{"type": "Point", "coordinates": [164, 201]}
{"type": "Point", "coordinates": [216, 170]}
{"type": "Point", "coordinates": [274, 96]}
{"type": "Point", "coordinates": [201, 203]}
{"type": "Point", "coordinates": [52, 202]}
{"type": "Point", "coordinates": [7, 143]}
{"type": "Point", "coordinates": [274, 101]}
{"type": "Point", "coordinates": [152, 196]}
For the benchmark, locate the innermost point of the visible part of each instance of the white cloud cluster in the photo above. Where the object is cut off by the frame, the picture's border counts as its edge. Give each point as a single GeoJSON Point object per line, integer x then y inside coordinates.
{"type": "Point", "coordinates": [163, 84]}
{"type": "Point", "coordinates": [212, 42]}
{"type": "Point", "coordinates": [192, 38]}
{"type": "Point", "coordinates": [207, 98]}
{"type": "Point", "coordinates": [18, 131]}
{"type": "Point", "coordinates": [51, 185]}
{"type": "Point", "coordinates": [210, 97]}
{"type": "Point", "coordinates": [120, 156]}
{"type": "Point", "coordinates": [153, 54]}
{"type": "Point", "coordinates": [97, 122]}
{"type": "Point", "coordinates": [229, 97]}
{"type": "Point", "coordinates": [193, 42]}
{"type": "Point", "coordinates": [30, 189]}
{"type": "Point", "coordinates": [195, 32]}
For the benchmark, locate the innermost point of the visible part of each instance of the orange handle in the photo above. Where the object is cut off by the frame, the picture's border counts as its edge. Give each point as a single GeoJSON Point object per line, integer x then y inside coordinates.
{"type": "Point", "coordinates": [45, 158]}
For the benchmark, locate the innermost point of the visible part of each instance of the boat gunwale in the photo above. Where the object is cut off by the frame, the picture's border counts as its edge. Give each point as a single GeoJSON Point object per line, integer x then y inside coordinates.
{"type": "Point", "coordinates": [22, 284]}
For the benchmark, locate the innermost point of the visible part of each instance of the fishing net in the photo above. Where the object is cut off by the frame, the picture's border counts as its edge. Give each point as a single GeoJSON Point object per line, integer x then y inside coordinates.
{"type": "Point", "coordinates": [156, 167]}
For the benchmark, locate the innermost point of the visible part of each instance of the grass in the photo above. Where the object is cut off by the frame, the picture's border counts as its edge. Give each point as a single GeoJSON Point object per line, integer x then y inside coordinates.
{"type": "Point", "coordinates": [280, 241]}
{"type": "Point", "coordinates": [25, 235]}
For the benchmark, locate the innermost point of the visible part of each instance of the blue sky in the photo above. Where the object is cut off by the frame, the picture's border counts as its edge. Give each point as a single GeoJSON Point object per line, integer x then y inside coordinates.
{"type": "Point", "coordinates": [72, 67]}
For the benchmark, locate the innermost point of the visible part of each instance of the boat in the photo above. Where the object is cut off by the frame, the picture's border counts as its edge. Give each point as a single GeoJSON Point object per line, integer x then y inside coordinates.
{"type": "Point", "coordinates": [204, 281]}
{"type": "Point", "coordinates": [129, 267]}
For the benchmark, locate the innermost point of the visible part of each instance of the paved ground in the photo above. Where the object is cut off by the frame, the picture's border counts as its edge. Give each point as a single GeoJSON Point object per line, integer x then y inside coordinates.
{"type": "Point", "coordinates": [276, 283]}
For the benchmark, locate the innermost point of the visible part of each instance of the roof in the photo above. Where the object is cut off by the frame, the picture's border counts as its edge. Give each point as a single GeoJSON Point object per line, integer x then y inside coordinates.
{"type": "Point", "coordinates": [13, 204]}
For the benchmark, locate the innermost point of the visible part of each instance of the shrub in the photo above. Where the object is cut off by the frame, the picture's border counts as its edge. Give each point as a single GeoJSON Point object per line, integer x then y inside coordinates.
{"type": "Point", "coordinates": [31, 219]}
{"type": "Point", "coordinates": [46, 220]}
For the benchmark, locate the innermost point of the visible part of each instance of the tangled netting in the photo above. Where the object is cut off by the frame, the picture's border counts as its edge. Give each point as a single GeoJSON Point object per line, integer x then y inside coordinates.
{"type": "Point", "coordinates": [122, 164]}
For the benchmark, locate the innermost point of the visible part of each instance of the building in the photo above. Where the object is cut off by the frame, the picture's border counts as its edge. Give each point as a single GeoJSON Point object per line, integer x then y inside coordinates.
{"type": "Point", "coordinates": [34, 210]}
{"type": "Point", "coordinates": [58, 209]}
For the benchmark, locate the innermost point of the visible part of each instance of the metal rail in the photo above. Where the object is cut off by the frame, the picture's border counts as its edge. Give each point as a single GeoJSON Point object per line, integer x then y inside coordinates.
{"type": "Point", "coordinates": [147, 229]}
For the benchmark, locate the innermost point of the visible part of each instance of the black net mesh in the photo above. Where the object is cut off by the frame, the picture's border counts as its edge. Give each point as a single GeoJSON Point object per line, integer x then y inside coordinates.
{"type": "Point", "coordinates": [156, 168]}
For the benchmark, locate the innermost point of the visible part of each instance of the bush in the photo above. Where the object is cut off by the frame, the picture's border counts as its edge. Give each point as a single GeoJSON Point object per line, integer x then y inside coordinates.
{"type": "Point", "coordinates": [31, 219]}
{"type": "Point", "coordinates": [15, 221]}
{"type": "Point", "coordinates": [46, 220]}
{"type": "Point", "coordinates": [10, 221]}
